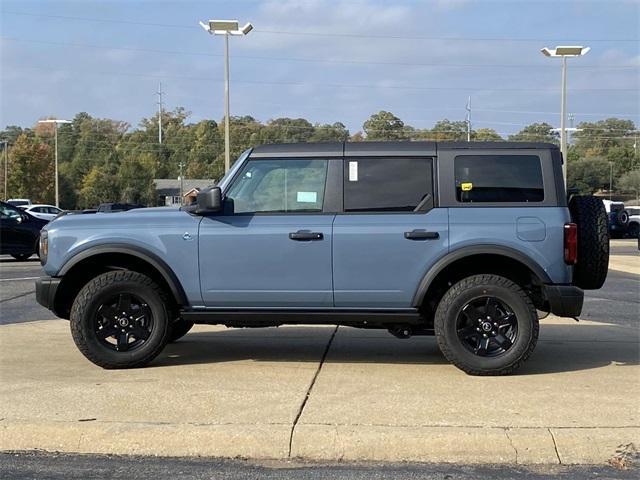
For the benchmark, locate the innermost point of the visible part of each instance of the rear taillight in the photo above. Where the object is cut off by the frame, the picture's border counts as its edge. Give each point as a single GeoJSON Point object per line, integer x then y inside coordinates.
{"type": "Point", "coordinates": [570, 243]}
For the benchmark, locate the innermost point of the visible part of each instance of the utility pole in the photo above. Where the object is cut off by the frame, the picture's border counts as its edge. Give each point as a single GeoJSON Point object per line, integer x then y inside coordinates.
{"type": "Point", "coordinates": [56, 122]}
{"type": "Point", "coordinates": [610, 179]}
{"type": "Point", "coordinates": [159, 112]}
{"type": "Point", "coordinates": [468, 108]}
{"type": "Point", "coordinates": [6, 168]}
{"type": "Point", "coordinates": [181, 182]}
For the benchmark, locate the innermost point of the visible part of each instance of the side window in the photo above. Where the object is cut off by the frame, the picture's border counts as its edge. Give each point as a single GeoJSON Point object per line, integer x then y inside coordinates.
{"type": "Point", "coordinates": [9, 212]}
{"type": "Point", "coordinates": [498, 178]}
{"type": "Point", "coordinates": [388, 184]}
{"type": "Point", "coordinates": [279, 186]}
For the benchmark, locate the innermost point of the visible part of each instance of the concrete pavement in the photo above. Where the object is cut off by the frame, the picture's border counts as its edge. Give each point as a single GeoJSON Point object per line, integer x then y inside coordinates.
{"type": "Point", "coordinates": [305, 392]}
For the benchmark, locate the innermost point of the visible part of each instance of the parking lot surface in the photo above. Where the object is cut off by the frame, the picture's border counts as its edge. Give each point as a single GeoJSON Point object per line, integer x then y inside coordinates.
{"type": "Point", "coordinates": [327, 393]}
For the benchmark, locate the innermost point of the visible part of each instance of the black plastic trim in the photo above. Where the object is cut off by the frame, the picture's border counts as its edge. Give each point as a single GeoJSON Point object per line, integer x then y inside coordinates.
{"type": "Point", "coordinates": [267, 317]}
{"type": "Point", "coordinates": [463, 252]}
{"type": "Point", "coordinates": [564, 300]}
{"type": "Point", "coordinates": [151, 258]}
{"type": "Point", "coordinates": [46, 288]}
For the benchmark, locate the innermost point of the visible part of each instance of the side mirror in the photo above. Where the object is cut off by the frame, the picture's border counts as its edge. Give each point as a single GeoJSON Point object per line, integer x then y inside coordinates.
{"type": "Point", "coordinates": [209, 200]}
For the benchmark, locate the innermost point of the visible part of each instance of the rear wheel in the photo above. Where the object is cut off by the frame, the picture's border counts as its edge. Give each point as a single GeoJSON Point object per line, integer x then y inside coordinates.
{"type": "Point", "coordinates": [21, 257]}
{"type": "Point", "coordinates": [486, 325]}
{"type": "Point", "coordinates": [119, 320]}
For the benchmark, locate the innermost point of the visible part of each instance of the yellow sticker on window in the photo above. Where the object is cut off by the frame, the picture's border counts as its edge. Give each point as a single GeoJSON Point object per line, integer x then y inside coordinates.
{"type": "Point", "coordinates": [466, 187]}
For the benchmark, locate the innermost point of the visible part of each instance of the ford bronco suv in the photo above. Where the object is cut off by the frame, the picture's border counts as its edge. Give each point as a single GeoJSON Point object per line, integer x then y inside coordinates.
{"type": "Point", "coordinates": [464, 241]}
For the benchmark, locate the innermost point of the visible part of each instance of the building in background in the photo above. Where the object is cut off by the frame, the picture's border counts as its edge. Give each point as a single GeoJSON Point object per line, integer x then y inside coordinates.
{"type": "Point", "coordinates": [168, 190]}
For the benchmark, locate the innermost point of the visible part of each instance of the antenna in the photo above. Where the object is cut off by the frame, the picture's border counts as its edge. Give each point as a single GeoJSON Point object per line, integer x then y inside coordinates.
{"type": "Point", "coordinates": [159, 93]}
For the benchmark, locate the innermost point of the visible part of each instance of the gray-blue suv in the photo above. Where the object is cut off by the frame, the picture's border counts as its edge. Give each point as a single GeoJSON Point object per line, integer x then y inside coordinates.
{"type": "Point", "coordinates": [464, 241]}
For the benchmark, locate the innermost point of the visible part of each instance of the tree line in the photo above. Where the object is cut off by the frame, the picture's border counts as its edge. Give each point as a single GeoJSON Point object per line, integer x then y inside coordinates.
{"type": "Point", "coordinates": [107, 160]}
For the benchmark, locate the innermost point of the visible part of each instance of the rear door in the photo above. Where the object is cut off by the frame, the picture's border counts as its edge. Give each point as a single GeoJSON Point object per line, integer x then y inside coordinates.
{"type": "Point", "coordinates": [390, 232]}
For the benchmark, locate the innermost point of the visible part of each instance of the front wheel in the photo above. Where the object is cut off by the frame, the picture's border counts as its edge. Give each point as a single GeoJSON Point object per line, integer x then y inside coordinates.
{"type": "Point", "coordinates": [486, 325]}
{"type": "Point", "coordinates": [120, 320]}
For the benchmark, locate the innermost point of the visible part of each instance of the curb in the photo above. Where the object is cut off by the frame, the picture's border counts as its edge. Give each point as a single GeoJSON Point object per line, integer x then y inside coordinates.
{"type": "Point", "coordinates": [433, 444]}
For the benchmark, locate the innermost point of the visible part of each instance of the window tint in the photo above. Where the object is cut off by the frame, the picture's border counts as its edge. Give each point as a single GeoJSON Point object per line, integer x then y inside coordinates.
{"type": "Point", "coordinates": [498, 178]}
{"type": "Point", "coordinates": [9, 212]}
{"type": "Point", "coordinates": [387, 184]}
{"type": "Point", "coordinates": [279, 186]}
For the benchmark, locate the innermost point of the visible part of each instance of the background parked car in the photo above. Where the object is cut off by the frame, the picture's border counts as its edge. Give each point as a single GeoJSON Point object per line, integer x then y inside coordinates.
{"type": "Point", "coordinates": [618, 218]}
{"type": "Point", "coordinates": [16, 202]}
{"type": "Point", "coordinates": [42, 211]}
{"type": "Point", "coordinates": [19, 232]}
{"type": "Point", "coordinates": [633, 227]}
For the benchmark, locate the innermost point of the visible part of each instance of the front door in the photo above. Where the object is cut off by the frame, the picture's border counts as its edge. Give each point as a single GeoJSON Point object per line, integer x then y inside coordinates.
{"type": "Point", "coordinates": [389, 235]}
{"type": "Point", "coordinates": [272, 247]}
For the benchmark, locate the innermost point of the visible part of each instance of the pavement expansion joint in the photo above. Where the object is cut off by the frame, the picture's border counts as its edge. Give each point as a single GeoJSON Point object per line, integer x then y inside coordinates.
{"type": "Point", "coordinates": [313, 381]}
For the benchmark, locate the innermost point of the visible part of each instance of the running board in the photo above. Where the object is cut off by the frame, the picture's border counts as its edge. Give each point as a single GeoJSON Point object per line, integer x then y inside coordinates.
{"type": "Point", "coordinates": [266, 318]}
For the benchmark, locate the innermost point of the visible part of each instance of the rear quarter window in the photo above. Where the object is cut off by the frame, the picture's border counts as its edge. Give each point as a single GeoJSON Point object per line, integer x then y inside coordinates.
{"type": "Point", "coordinates": [498, 179]}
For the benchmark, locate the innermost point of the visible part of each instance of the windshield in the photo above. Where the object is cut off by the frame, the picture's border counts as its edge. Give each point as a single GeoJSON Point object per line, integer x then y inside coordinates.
{"type": "Point", "coordinates": [222, 183]}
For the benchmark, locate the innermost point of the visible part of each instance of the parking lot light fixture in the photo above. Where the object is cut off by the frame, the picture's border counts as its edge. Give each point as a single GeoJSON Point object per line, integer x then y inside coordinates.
{"type": "Point", "coordinates": [564, 51]}
{"type": "Point", "coordinates": [226, 28]}
{"type": "Point", "coordinates": [56, 122]}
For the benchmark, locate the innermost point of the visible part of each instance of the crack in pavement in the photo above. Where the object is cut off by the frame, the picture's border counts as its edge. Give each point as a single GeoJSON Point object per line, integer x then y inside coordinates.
{"type": "Point", "coordinates": [17, 296]}
{"type": "Point", "coordinates": [313, 381]}
{"type": "Point", "coordinates": [555, 445]}
{"type": "Point", "coordinates": [506, 432]}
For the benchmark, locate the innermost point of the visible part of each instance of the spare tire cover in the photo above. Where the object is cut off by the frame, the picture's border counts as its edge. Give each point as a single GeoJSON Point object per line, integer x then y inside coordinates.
{"type": "Point", "coordinates": [589, 214]}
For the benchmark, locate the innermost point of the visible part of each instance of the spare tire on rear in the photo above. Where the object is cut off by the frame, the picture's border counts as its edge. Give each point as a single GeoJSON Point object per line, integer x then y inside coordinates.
{"type": "Point", "coordinates": [589, 214]}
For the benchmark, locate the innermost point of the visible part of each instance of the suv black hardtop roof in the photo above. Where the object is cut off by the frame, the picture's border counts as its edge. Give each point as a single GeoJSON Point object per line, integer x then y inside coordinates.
{"type": "Point", "coordinates": [338, 149]}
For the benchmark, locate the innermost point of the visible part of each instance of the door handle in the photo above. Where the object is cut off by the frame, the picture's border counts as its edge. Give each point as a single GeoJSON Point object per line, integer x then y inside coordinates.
{"type": "Point", "coordinates": [421, 235]}
{"type": "Point", "coordinates": [305, 235]}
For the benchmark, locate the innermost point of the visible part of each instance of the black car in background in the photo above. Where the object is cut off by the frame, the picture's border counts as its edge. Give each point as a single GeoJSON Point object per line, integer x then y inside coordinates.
{"type": "Point", "coordinates": [19, 232]}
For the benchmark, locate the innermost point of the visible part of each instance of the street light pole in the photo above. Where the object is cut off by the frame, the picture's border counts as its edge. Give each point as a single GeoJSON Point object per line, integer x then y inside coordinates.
{"type": "Point", "coordinates": [226, 28]}
{"type": "Point", "coordinates": [227, 140]}
{"type": "Point", "coordinates": [563, 118]}
{"type": "Point", "coordinates": [56, 122]}
{"type": "Point", "coordinates": [564, 52]}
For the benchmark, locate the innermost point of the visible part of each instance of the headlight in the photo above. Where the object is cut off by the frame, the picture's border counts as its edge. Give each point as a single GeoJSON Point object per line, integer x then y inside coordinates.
{"type": "Point", "coordinates": [43, 248]}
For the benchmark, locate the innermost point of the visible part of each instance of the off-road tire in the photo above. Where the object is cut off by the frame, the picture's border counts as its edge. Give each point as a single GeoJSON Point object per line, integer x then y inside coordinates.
{"type": "Point", "coordinates": [588, 212]}
{"type": "Point", "coordinates": [477, 286]}
{"type": "Point", "coordinates": [179, 329]}
{"type": "Point", "coordinates": [88, 301]}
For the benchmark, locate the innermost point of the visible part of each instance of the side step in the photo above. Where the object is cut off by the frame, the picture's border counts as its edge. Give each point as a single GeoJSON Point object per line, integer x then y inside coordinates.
{"type": "Point", "coordinates": [269, 318]}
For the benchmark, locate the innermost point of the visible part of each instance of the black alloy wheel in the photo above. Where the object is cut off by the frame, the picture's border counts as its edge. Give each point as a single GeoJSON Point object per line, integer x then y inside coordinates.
{"type": "Point", "coordinates": [487, 326]}
{"type": "Point", "coordinates": [124, 322]}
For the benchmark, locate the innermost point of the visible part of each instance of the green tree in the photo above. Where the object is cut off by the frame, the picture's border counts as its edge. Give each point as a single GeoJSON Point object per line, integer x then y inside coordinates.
{"type": "Point", "coordinates": [486, 135]}
{"type": "Point", "coordinates": [386, 126]}
{"type": "Point", "coordinates": [336, 132]}
{"type": "Point", "coordinates": [31, 170]}
{"type": "Point", "coordinates": [98, 187]}
{"type": "Point", "coordinates": [536, 132]}
{"type": "Point", "coordinates": [630, 182]}
{"type": "Point", "coordinates": [588, 175]}
{"type": "Point", "coordinates": [135, 179]}
{"type": "Point", "coordinates": [597, 138]}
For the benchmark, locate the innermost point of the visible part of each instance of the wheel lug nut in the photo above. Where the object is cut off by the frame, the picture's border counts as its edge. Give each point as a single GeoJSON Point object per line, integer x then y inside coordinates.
{"type": "Point", "coordinates": [484, 335]}
{"type": "Point", "coordinates": [478, 329]}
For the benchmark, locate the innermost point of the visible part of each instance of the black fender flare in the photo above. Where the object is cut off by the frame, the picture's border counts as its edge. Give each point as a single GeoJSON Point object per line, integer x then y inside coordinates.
{"type": "Point", "coordinates": [463, 252]}
{"type": "Point", "coordinates": [143, 254]}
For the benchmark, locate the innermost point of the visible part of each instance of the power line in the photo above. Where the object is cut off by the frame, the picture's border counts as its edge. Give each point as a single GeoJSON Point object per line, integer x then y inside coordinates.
{"type": "Point", "coordinates": [337, 85]}
{"type": "Point", "coordinates": [323, 34]}
{"type": "Point", "coordinates": [320, 60]}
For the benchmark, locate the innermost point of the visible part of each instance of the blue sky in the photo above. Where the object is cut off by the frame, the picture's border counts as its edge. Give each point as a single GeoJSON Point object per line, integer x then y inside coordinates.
{"type": "Point", "coordinates": [324, 60]}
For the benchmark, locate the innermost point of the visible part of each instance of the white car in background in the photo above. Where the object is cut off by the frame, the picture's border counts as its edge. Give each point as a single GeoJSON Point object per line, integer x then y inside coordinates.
{"type": "Point", "coordinates": [44, 212]}
{"type": "Point", "coordinates": [633, 228]}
